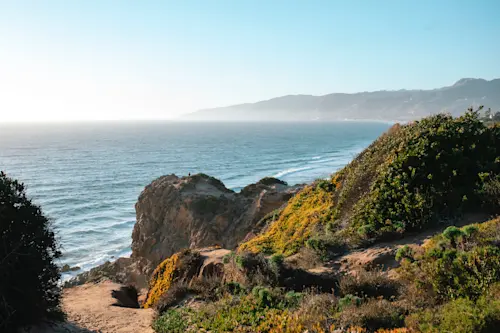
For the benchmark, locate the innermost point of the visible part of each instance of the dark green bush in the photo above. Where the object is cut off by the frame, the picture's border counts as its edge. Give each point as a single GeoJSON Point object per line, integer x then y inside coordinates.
{"type": "Point", "coordinates": [29, 277]}
{"type": "Point", "coordinates": [432, 174]}
{"type": "Point", "coordinates": [263, 296]}
{"type": "Point", "coordinates": [234, 288]}
{"type": "Point", "coordinates": [491, 190]}
{"type": "Point", "coordinates": [275, 264]}
{"type": "Point", "coordinates": [241, 261]}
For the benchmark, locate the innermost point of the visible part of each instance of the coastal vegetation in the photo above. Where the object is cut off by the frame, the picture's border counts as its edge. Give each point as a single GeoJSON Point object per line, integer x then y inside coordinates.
{"type": "Point", "coordinates": [449, 284]}
{"type": "Point", "coordinates": [412, 177]}
{"type": "Point", "coordinates": [426, 175]}
{"type": "Point", "coordinates": [29, 276]}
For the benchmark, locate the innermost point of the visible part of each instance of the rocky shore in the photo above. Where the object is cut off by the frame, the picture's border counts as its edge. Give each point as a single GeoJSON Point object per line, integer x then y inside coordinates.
{"type": "Point", "coordinates": [175, 213]}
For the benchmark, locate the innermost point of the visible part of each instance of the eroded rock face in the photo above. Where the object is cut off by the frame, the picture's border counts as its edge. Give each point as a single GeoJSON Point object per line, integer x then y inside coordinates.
{"type": "Point", "coordinates": [174, 213]}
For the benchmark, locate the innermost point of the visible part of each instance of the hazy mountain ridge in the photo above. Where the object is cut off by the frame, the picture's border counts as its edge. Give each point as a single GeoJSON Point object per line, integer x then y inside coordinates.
{"type": "Point", "coordinates": [378, 105]}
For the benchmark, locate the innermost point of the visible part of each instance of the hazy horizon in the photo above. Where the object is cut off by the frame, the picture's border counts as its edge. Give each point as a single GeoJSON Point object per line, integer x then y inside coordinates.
{"type": "Point", "coordinates": [122, 60]}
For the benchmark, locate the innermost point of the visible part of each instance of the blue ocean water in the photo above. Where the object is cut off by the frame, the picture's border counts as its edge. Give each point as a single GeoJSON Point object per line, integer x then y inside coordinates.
{"type": "Point", "coordinates": [87, 177]}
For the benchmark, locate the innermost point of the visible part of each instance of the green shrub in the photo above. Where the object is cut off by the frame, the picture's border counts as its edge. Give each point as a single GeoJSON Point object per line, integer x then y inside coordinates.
{"type": "Point", "coordinates": [491, 190]}
{"type": "Point", "coordinates": [349, 300]}
{"type": "Point", "coordinates": [458, 263]}
{"type": "Point", "coordinates": [29, 290]}
{"type": "Point", "coordinates": [464, 316]}
{"type": "Point", "coordinates": [459, 316]}
{"type": "Point", "coordinates": [227, 258]}
{"type": "Point", "coordinates": [241, 261]}
{"type": "Point", "coordinates": [263, 296]}
{"type": "Point", "coordinates": [404, 252]}
{"type": "Point", "coordinates": [452, 234]}
{"type": "Point", "coordinates": [293, 298]}
{"type": "Point", "coordinates": [275, 263]}
{"type": "Point", "coordinates": [464, 274]}
{"type": "Point", "coordinates": [172, 321]}
{"type": "Point", "coordinates": [251, 269]}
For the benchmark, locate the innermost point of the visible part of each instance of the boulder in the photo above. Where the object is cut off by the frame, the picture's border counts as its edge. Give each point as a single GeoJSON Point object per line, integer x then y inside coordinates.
{"type": "Point", "coordinates": [67, 268]}
{"type": "Point", "coordinates": [174, 213]}
{"type": "Point", "coordinates": [122, 271]}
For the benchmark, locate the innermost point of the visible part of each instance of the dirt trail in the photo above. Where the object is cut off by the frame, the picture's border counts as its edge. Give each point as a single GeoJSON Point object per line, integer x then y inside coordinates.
{"type": "Point", "coordinates": [90, 306]}
{"type": "Point", "coordinates": [382, 254]}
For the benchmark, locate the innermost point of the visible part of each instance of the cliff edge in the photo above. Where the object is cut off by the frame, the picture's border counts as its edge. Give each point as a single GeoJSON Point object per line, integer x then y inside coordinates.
{"type": "Point", "coordinates": [175, 213]}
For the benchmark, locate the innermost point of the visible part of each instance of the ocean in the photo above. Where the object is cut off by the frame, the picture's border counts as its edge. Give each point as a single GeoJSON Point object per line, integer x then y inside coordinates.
{"type": "Point", "coordinates": [87, 177]}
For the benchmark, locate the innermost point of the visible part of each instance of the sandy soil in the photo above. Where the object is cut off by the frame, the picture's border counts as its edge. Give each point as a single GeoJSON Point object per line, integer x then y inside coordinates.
{"type": "Point", "coordinates": [90, 307]}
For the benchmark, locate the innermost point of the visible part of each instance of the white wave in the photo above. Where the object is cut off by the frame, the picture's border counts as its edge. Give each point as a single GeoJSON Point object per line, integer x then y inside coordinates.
{"type": "Point", "coordinates": [290, 171]}
{"type": "Point", "coordinates": [330, 159]}
{"type": "Point", "coordinates": [316, 157]}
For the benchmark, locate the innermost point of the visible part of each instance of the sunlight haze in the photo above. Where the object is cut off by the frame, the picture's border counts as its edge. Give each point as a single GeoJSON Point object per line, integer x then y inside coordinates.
{"type": "Point", "coordinates": [122, 60]}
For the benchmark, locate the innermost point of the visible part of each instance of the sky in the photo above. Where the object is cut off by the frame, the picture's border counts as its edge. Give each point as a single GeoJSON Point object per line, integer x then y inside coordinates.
{"type": "Point", "coordinates": [120, 60]}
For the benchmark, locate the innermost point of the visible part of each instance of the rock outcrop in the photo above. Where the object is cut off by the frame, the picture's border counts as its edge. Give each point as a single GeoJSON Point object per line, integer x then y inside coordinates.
{"type": "Point", "coordinates": [174, 213]}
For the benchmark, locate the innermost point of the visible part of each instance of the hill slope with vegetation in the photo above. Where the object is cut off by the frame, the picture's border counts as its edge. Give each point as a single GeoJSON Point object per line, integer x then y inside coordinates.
{"type": "Point", "coordinates": [416, 177]}
{"type": "Point", "coordinates": [412, 177]}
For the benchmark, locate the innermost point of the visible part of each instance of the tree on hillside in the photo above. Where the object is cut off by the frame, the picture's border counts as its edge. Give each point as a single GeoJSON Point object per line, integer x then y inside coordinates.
{"type": "Point", "coordinates": [29, 290]}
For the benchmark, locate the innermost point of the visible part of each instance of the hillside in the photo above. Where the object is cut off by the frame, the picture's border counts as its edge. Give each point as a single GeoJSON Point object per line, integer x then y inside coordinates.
{"type": "Point", "coordinates": [401, 105]}
{"type": "Point", "coordinates": [388, 244]}
{"type": "Point", "coordinates": [410, 178]}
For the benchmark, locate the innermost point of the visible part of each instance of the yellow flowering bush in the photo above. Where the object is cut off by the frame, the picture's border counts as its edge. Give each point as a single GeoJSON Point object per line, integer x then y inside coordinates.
{"type": "Point", "coordinates": [295, 224]}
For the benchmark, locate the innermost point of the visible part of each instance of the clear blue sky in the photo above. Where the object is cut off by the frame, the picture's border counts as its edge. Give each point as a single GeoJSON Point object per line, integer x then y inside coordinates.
{"type": "Point", "coordinates": [98, 59]}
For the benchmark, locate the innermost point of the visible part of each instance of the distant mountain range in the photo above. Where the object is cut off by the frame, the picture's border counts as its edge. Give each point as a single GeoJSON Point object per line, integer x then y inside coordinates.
{"type": "Point", "coordinates": [400, 105]}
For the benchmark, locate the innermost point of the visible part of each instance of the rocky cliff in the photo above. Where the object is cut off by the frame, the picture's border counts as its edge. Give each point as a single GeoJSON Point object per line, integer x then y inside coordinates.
{"type": "Point", "coordinates": [175, 213]}
{"type": "Point", "coordinates": [196, 211]}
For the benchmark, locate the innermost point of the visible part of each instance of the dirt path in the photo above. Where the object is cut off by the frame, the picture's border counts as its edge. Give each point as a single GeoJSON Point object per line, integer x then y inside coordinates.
{"type": "Point", "coordinates": [90, 306]}
{"type": "Point", "coordinates": [382, 254]}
